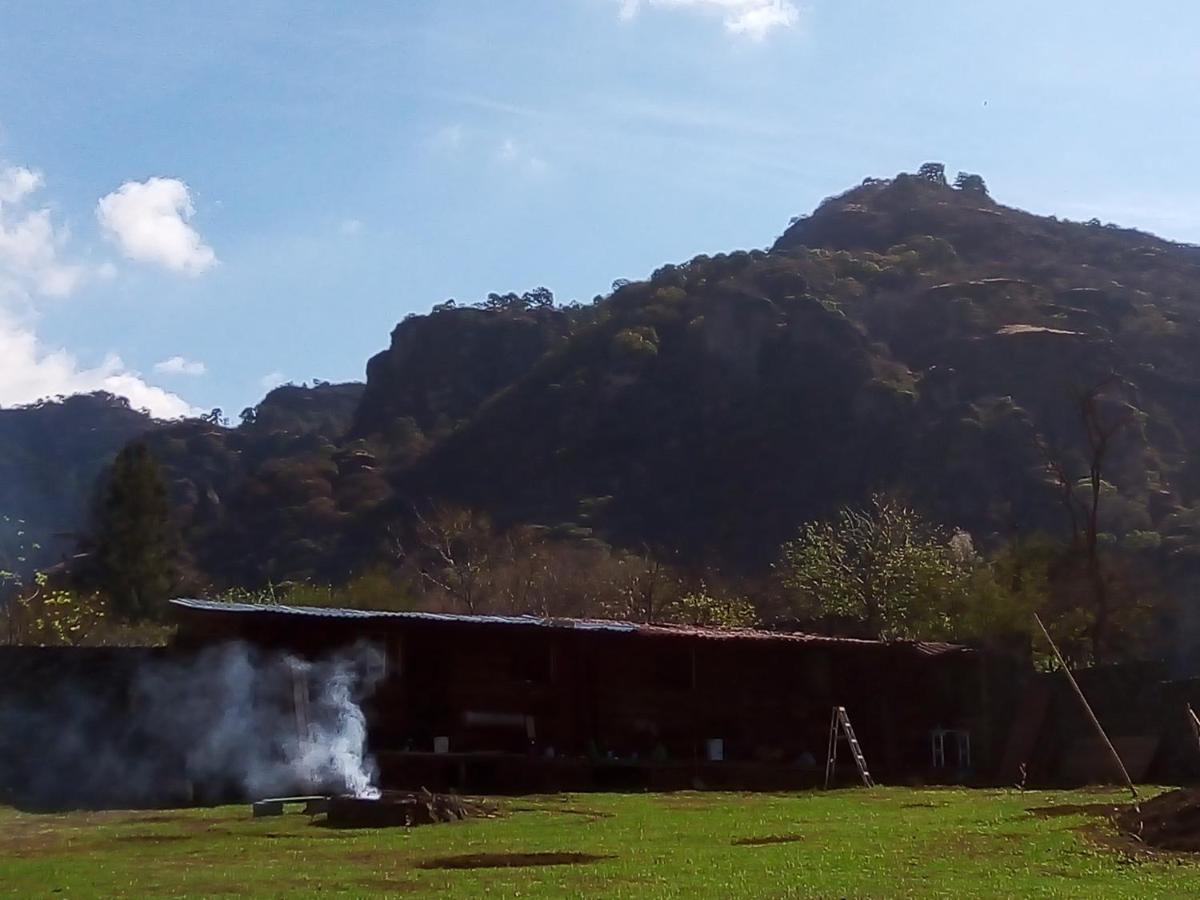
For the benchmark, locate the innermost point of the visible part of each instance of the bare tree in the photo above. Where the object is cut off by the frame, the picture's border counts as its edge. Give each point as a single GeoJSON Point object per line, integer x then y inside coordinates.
{"type": "Point", "coordinates": [645, 589]}
{"type": "Point", "coordinates": [1100, 429]}
{"type": "Point", "coordinates": [458, 545]}
{"type": "Point", "coordinates": [1102, 418]}
{"type": "Point", "coordinates": [1053, 456]}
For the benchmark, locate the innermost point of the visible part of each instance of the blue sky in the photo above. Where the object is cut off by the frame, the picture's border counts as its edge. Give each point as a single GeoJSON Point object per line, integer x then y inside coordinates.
{"type": "Point", "coordinates": [200, 200]}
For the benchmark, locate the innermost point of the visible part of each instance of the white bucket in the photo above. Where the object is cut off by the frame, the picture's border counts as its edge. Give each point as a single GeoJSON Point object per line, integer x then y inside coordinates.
{"type": "Point", "coordinates": [714, 749]}
{"type": "Point", "coordinates": [441, 744]}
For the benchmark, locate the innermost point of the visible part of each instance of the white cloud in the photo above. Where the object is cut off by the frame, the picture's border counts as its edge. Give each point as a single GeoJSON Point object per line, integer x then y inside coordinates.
{"type": "Point", "coordinates": [271, 380]}
{"type": "Point", "coordinates": [34, 264]}
{"type": "Point", "coordinates": [350, 227]}
{"type": "Point", "coordinates": [516, 156]}
{"type": "Point", "coordinates": [30, 371]}
{"type": "Point", "coordinates": [149, 222]}
{"type": "Point", "coordinates": [17, 183]}
{"type": "Point", "coordinates": [753, 18]}
{"type": "Point", "coordinates": [177, 365]}
{"type": "Point", "coordinates": [31, 244]}
{"type": "Point", "coordinates": [448, 139]}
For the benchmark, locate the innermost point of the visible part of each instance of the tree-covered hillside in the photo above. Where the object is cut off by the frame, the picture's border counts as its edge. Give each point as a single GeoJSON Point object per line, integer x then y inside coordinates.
{"type": "Point", "coordinates": [908, 336]}
{"type": "Point", "coordinates": [1005, 374]}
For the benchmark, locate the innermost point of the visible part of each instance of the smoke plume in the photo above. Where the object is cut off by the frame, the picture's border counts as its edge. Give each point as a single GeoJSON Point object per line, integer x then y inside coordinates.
{"type": "Point", "coordinates": [229, 722]}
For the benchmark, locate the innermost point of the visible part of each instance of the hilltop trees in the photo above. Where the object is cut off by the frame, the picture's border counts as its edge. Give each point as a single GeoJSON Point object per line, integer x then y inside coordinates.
{"type": "Point", "coordinates": [971, 184]}
{"type": "Point", "coordinates": [538, 298]}
{"type": "Point", "coordinates": [934, 172]}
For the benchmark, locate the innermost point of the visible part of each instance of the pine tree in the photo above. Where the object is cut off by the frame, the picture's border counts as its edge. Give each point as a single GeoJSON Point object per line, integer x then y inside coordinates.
{"type": "Point", "coordinates": [136, 545]}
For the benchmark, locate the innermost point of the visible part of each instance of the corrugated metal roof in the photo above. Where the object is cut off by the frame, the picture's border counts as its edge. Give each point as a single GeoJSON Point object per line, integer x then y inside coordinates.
{"type": "Point", "coordinates": [326, 612]}
{"type": "Point", "coordinates": [611, 625]}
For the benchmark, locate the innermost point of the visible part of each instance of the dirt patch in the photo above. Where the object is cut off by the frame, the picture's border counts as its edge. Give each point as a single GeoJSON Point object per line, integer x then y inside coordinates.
{"type": "Point", "coordinates": [510, 860]}
{"type": "Point", "coordinates": [402, 808]}
{"type": "Point", "coordinates": [190, 824]}
{"type": "Point", "coordinates": [306, 836]}
{"type": "Point", "coordinates": [34, 846]}
{"type": "Point", "coordinates": [1170, 821]}
{"type": "Point", "coordinates": [1167, 826]}
{"type": "Point", "coordinates": [701, 800]}
{"type": "Point", "coordinates": [385, 887]}
{"type": "Point", "coordinates": [1075, 809]}
{"type": "Point", "coordinates": [151, 838]}
{"type": "Point", "coordinates": [588, 815]}
{"type": "Point", "coordinates": [767, 840]}
{"type": "Point", "coordinates": [156, 818]}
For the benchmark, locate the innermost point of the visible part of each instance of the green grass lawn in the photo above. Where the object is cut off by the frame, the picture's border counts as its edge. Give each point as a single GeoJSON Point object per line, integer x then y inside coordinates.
{"type": "Point", "coordinates": [885, 842]}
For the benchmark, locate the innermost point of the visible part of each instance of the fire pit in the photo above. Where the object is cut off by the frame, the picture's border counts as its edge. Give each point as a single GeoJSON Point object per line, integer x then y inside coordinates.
{"type": "Point", "coordinates": [400, 808]}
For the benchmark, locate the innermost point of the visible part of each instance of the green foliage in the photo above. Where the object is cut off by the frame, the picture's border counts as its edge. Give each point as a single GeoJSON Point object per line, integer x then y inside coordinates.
{"type": "Point", "coordinates": [60, 616]}
{"type": "Point", "coordinates": [47, 613]}
{"type": "Point", "coordinates": [1142, 541]}
{"type": "Point", "coordinates": [883, 568]}
{"type": "Point", "coordinates": [700, 607]}
{"type": "Point", "coordinates": [1003, 593]}
{"type": "Point", "coordinates": [635, 344]}
{"type": "Point", "coordinates": [376, 588]}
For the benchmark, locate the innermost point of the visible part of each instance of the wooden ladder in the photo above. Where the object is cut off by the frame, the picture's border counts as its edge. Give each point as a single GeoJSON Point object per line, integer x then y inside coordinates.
{"type": "Point", "coordinates": [839, 727]}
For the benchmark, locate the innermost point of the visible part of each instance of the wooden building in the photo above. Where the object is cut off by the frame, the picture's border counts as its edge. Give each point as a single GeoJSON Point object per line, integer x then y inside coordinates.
{"type": "Point", "coordinates": [491, 703]}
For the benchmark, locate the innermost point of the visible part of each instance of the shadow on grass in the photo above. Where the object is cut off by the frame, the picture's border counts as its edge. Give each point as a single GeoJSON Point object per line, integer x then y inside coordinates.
{"type": "Point", "coordinates": [767, 840]}
{"type": "Point", "coordinates": [1075, 809]}
{"type": "Point", "coordinates": [510, 860]}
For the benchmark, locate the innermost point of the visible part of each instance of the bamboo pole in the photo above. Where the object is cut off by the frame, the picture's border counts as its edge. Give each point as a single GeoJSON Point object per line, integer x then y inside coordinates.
{"type": "Point", "coordinates": [1087, 707]}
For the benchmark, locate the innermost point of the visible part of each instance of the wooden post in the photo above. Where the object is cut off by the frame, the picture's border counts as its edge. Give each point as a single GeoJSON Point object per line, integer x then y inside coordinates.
{"type": "Point", "coordinates": [1194, 721]}
{"type": "Point", "coordinates": [831, 750]}
{"type": "Point", "coordinates": [1088, 709]}
{"type": "Point", "coordinates": [695, 725]}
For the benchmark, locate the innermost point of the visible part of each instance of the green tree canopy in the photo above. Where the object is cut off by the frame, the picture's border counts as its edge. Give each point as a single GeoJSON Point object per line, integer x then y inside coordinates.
{"type": "Point", "coordinates": [933, 171]}
{"type": "Point", "coordinates": [883, 568]}
{"type": "Point", "coordinates": [971, 183]}
{"type": "Point", "coordinates": [136, 548]}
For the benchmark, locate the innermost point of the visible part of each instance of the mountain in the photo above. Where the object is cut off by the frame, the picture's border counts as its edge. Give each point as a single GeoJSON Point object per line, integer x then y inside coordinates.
{"type": "Point", "coordinates": [441, 367]}
{"type": "Point", "coordinates": [261, 500]}
{"type": "Point", "coordinates": [907, 336]}
{"type": "Point", "coordinates": [51, 455]}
